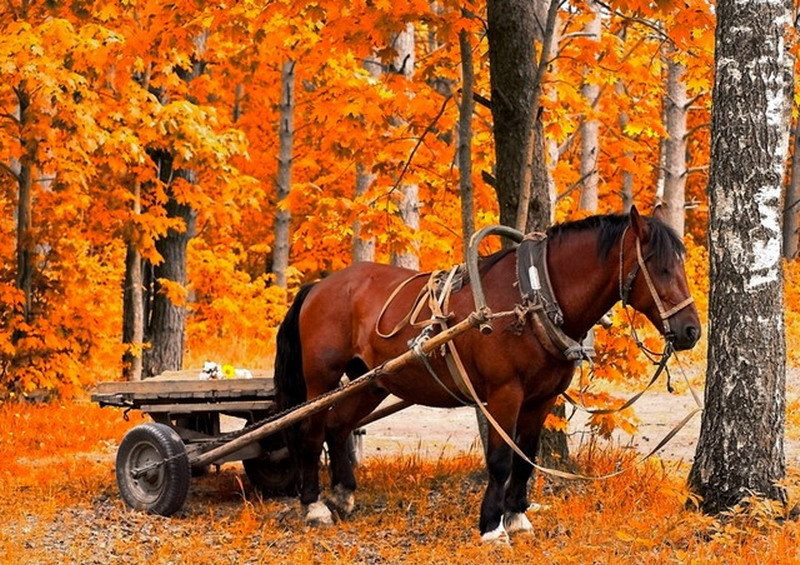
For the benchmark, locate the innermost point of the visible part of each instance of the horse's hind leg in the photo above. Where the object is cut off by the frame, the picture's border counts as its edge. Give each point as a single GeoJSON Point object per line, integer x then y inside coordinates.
{"type": "Point", "coordinates": [317, 513]}
{"type": "Point", "coordinates": [341, 421]}
{"type": "Point", "coordinates": [529, 425]}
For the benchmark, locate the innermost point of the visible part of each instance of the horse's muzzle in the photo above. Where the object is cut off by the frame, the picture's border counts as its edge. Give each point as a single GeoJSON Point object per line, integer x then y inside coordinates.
{"type": "Point", "coordinates": [685, 337]}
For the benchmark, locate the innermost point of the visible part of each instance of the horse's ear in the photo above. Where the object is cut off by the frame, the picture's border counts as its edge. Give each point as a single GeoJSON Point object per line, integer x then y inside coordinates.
{"type": "Point", "coordinates": [638, 225]}
{"type": "Point", "coordinates": [658, 212]}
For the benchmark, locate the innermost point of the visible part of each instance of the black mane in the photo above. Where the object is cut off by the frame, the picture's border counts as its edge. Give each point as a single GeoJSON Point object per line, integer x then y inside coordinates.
{"type": "Point", "coordinates": [663, 243]}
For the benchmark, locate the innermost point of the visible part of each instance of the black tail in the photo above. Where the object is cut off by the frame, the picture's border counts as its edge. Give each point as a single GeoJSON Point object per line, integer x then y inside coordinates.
{"type": "Point", "coordinates": [290, 385]}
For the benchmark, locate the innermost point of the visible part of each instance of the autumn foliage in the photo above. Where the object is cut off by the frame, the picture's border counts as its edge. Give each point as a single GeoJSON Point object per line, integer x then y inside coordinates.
{"type": "Point", "coordinates": [92, 92]}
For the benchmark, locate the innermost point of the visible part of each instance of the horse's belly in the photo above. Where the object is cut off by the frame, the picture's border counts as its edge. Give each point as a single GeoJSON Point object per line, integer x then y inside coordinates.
{"type": "Point", "coordinates": [420, 387]}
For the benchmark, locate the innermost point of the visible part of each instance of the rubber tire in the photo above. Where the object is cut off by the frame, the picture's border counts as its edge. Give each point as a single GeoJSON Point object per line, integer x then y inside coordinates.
{"type": "Point", "coordinates": [163, 491]}
{"type": "Point", "coordinates": [273, 473]}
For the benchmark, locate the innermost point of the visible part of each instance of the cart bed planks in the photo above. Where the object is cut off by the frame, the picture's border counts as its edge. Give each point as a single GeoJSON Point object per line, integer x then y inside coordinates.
{"type": "Point", "coordinates": [183, 392]}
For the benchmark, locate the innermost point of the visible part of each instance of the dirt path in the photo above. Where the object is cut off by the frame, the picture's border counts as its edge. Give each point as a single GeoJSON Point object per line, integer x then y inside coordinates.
{"type": "Point", "coordinates": [437, 432]}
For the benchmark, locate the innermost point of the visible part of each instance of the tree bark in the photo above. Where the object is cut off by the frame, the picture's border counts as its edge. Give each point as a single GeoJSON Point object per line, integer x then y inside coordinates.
{"type": "Point", "coordinates": [676, 110]}
{"type": "Point", "coordinates": [280, 253]}
{"type": "Point", "coordinates": [791, 214]}
{"type": "Point", "coordinates": [166, 328]}
{"type": "Point", "coordinates": [626, 192]}
{"type": "Point", "coordinates": [465, 110]}
{"type": "Point", "coordinates": [133, 301]}
{"type": "Point", "coordinates": [740, 450]}
{"type": "Point", "coordinates": [403, 44]}
{"type": "Point", "coordinates": [24, 172]}
{"type": "Point", "coordinates": [511, 33]}
{"type": "Point", "coordinates": [590, 128]}
{"type": "Point", "coordinates": [364, 247]}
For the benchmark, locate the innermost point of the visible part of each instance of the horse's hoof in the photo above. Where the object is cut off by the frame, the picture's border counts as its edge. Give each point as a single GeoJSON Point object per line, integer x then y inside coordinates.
{"type": "Point", "coordinates": [517, 522]}
{"type": "Point", "coordinates": [318, 514]}
{"type": "Point", "coordinates": [343, 500]}
{"type": "Point", "coordinates": [498, 536]}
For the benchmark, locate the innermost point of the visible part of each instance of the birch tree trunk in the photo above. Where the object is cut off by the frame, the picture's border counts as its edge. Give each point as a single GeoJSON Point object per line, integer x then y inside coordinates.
{"type": "Point", "coordinates": [676, 109]}
{"type": "Point", "coordinates": [409, 206]}
{"type": "Point", "coordinates": [626, 192]}
{"type": "Point", "coordinates": [364, 247]}
{"type": "Point", "coordinates": [280, 252]}
{"type": "Point", "coordinates": [590, 128]}
{"type": "Point", "coordinates": [740, 449]}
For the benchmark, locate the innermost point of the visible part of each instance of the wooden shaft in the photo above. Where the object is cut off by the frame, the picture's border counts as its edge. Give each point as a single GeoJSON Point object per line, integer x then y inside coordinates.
{"type": "Point", "coordinates": [383, 412]}
{"type": "Point", "coordinates": [323, 402]}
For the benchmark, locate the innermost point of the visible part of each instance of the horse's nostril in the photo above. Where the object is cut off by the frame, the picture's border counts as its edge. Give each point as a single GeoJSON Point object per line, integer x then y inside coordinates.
{"type": "Point", "coordinates": [692, 333]}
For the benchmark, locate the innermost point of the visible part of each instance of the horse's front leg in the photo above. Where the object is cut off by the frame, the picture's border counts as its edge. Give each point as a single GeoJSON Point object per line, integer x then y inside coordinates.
{"type": "Point", "coordinates": [504, 407]}
{"type": "Point", "coordinates": [529, 426]}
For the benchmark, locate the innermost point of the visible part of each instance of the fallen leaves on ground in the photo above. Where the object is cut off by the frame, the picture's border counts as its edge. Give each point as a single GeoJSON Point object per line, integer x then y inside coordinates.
{"type": "Point", "coordinates": [60, 504]}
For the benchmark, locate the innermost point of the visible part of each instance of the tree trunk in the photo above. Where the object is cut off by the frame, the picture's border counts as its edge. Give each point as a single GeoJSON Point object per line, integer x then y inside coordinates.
{"type": "Point", "coordinates": [280, 253]}
{"type": "Point", "coordinates": [740, 450]}
{"type": "Point", "coordinates": [133, 304]}
{"type": "Point", "coordinates": [409, 211]}
{"type": "Point", "coordinates": [590, 128]}
{"type": "Point", "coordinates": [364, 247]}
{"type": "Point", "coordinates": [403, 44]}
{"type": "Point", "coordinates": [626, 194]}
{"type": "Point", "coordinates": [24, 173]}
{"type": "Point", "coordinates": [465, 110]}
{"type": "Point", "coordinates": [791, 214]}
{"type": "Point", "coordinates": [676, 110]}
{"type": "Point", "coordinates": [511, 32]}
{"type": "Point", "coordinates": [166, 328]}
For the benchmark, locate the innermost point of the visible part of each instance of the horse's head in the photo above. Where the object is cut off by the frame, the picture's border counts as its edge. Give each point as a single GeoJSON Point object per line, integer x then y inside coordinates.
{"type": "Point", "coordinates": [652, 279]}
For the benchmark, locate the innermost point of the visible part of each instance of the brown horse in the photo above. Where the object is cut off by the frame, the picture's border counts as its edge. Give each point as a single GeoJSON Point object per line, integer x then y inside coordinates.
{"type": "Point", "coordinates": [592, 263]}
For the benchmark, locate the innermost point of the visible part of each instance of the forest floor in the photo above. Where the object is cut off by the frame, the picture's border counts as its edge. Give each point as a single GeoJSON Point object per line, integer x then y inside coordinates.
{"type": "Point", "coordinates": [421, 482]}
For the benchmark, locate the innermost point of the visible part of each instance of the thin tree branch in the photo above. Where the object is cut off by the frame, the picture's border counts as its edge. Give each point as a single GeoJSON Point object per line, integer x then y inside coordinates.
{"type": "Point", "coordinates": [483, 101]}
{"type": "Point", "coordinates": [575, 185]}
{"type": "Point", "coordinates": [6, 169]}
{"type": "Point", "coordinates": [428, 129]}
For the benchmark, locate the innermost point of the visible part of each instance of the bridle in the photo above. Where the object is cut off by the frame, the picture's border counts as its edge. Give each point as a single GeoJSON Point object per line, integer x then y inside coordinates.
{"type": "Point", "coordinates": [626, 286]}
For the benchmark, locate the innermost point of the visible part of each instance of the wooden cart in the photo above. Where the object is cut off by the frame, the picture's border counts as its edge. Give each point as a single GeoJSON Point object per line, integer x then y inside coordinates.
{"type": "Point", "coordinates": [155, 460]}
{"type": "Point", "coordinates": [187, 418]}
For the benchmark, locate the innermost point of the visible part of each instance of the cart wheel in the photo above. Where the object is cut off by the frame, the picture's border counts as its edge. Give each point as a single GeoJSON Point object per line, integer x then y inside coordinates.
{"type": "Point", "coordinates": [160, 490]}
{"type": "Point", "coordinates": [274, 472]}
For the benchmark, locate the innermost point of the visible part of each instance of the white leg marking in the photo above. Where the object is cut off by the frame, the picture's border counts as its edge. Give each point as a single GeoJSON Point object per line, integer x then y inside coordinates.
{"type": "Point", "coordinates": [343, 499]}
{"type": "Point", "coordinates": [517, 522]}
{"type": "Point", "coordinates": [498, 535]}
{"type": "Point", "coordinates": [318, 514]}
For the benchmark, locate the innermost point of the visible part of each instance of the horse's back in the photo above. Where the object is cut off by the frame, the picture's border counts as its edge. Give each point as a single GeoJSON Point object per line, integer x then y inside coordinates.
{"type": "Point", "coordinates": [341, 311]}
